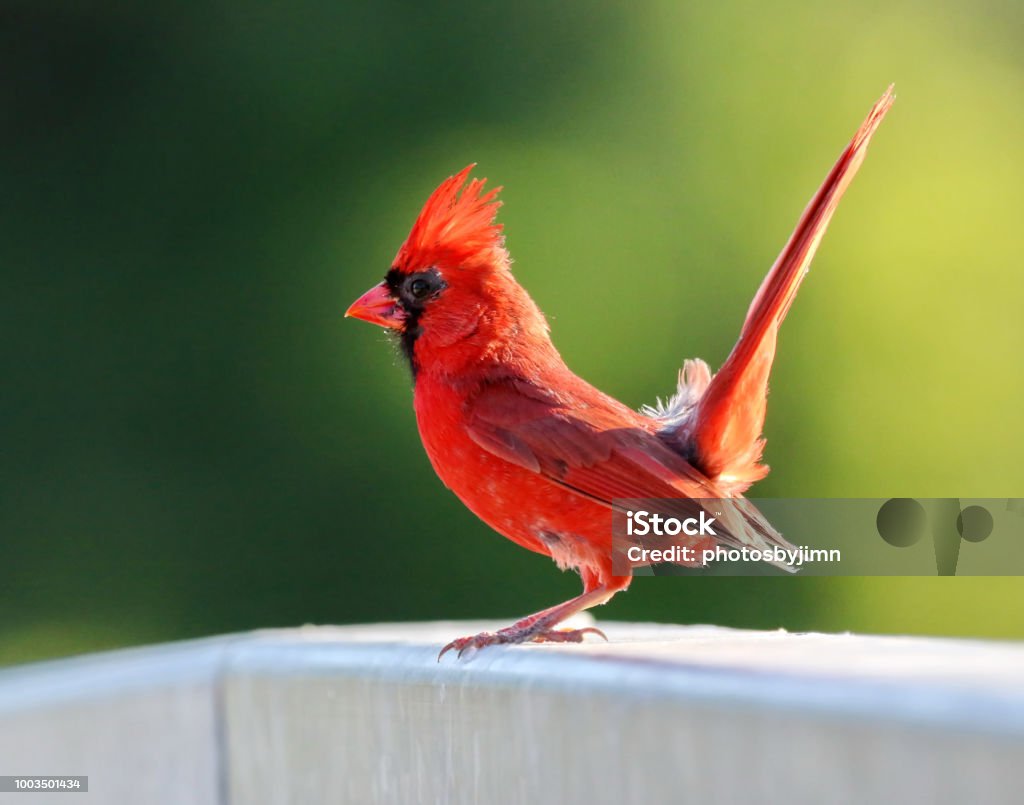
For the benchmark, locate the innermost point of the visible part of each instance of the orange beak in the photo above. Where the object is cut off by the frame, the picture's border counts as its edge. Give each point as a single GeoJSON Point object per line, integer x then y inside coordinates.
{"type": "Point", "coordinates": [377, 306]}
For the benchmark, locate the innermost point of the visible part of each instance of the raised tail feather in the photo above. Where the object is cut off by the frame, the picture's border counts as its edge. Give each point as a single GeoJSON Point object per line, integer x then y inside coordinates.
{"type": "Point", "coordinates": [717, 422]}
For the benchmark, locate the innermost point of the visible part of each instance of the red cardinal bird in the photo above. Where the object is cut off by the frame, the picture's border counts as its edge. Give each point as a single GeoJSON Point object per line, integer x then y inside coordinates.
{"type": "Point", "coordinates": [538, 453]}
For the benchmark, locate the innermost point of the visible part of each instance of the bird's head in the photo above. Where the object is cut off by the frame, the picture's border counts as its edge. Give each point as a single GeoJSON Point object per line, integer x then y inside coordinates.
{"type": "Point", "coordinates": [449, 295]}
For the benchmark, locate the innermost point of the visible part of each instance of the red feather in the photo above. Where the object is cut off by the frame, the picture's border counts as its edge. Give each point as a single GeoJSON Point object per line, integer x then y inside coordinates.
{"type": "Point", "coordinates": [724, 433]}
{"type": "Point", "coordinates": [456, 228]}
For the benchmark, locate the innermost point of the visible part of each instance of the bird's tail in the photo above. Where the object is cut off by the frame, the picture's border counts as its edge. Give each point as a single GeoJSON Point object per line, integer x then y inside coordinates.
{"type": "Point", "coordinates": [724, 415]}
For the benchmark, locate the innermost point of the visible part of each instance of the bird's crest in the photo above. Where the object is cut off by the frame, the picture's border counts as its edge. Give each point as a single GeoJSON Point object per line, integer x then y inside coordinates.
{"type": "Point", "coordinates": [456, 228]}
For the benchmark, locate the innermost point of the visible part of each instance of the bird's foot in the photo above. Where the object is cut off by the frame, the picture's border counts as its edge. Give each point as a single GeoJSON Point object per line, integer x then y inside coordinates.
{"type": "Point", "coordinates": [517, 634]}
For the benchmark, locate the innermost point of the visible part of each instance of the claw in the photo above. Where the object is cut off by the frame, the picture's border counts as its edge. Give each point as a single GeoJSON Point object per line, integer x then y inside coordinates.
{"type": "Point", "coordinates": [461, 644]}
{"type": "Point", "coordinates": [445, 650]}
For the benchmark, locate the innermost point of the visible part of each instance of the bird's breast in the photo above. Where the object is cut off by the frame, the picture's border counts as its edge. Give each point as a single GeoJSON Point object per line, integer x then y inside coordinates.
{"type": "Point", "coordinates": [517, 502]}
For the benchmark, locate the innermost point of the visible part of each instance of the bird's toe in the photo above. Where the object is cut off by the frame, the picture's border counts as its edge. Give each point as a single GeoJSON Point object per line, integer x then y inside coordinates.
{"type": "Point", "coordinates": [568, 635]}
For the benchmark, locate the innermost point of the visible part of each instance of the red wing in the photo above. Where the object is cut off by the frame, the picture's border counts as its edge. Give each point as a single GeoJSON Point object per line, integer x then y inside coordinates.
{"type": "Point", "coordinates": [592, 449]}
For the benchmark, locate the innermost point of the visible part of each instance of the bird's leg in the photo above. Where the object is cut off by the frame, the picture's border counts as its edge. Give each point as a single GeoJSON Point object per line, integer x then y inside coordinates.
{"type": "Point", "coordinates": [539, 627]}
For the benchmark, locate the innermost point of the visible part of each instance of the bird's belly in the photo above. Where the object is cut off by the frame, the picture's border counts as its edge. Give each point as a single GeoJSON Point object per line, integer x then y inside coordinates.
{"type": "Point", "coordinates": [523, 505]}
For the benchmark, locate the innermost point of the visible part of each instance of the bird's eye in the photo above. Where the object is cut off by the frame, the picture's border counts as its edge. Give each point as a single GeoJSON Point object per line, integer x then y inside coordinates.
{"type": "Point", "coordinates": [419, 288]}
{"type": "Point", "coordinates": [416, 290]}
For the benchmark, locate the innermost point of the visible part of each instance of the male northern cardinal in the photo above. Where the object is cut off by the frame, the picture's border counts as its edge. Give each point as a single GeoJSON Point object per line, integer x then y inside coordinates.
{"type": "Point", "coordinates": [538, 453]}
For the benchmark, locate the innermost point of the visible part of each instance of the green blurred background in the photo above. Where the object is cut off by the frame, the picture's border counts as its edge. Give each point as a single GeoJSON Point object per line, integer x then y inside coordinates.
{"type": "Point", "coordinates": [193, 440]}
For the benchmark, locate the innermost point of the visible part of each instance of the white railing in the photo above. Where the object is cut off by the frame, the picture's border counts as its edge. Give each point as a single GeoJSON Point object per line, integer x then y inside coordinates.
{"type": "Point", "coordinates": [366, 714]}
